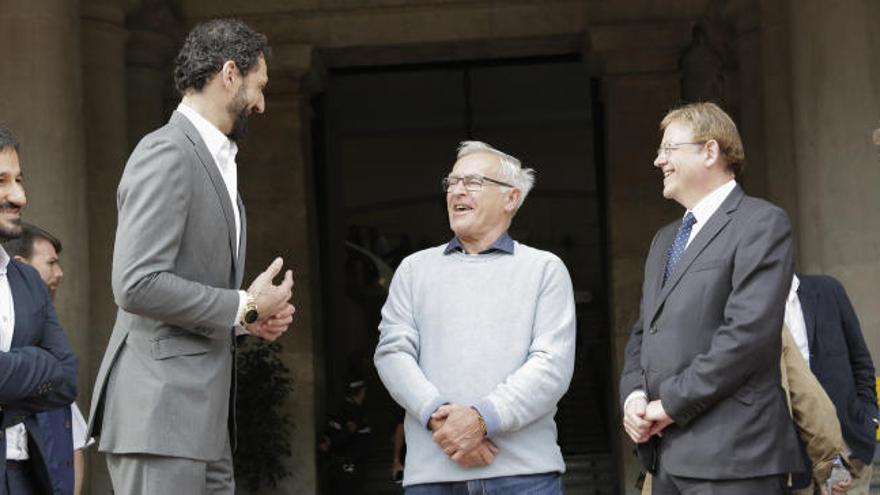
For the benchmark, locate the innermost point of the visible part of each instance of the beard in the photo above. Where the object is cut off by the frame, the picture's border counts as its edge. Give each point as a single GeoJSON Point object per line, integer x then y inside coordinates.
{"type": "Point", "coordinates": [10, 229]}
{"type": "Point", "coordinates": [239, 107]}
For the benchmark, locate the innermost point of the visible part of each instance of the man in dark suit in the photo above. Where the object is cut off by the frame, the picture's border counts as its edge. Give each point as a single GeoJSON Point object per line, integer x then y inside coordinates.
{"type": "Point", "coordinates": [37, 367]}
{"type": "Point", "coordinates": [828, 333]}
{"type": "Point", "coordinates": [165, 392]}
{"type": "Point", "coordinates": [700, 387]}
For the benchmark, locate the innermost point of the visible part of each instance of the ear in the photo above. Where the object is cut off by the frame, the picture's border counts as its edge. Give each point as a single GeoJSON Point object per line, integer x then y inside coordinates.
{"type": "Point", "coordinates": [228, 73]}
{"type": "Point", "coordinates": [713, 152]}
{"type": "Point", "coordinates": [512, 200]}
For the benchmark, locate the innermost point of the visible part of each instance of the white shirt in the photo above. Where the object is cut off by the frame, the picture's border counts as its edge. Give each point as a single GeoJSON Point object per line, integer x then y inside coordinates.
{"type": "Point", "coordinates": [16, 436]}
{"type": "Point", "coordinates": [223, 150]}
{"type": "Point", "coordinates": [702, 212]}
{"type": "Point", "coordinates": [707, 207]}
{"type": "Point", "coordinates": [794, 319]}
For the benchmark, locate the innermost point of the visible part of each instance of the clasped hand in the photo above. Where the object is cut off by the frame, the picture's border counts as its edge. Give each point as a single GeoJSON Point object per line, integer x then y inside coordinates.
{"type": "Point", "coordinates": [457, 432]}
{"type": "Point", "coordinates": [643, 419]}
{"type": "Point", "coordinates": [273, 306]}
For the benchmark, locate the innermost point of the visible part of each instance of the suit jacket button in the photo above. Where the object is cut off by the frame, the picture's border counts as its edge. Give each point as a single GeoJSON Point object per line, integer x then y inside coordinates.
{"type": "Point", "coordinates": [653, 330]}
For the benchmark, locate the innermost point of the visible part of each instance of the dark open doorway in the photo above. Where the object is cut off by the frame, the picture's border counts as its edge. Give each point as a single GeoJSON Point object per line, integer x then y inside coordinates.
{"type": "Point", "coordinates": [386, 136]}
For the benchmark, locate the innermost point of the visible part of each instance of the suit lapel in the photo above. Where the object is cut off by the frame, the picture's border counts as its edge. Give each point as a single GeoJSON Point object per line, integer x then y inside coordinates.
{"type": "Point", "coordinates": [657, 262]}
{"type": "Point", "coordinates": [713, 226]}
{"type": "Point", "coordinates": [213, 172]}
{"type": "Point", "coordinates": [242, 245]}
{"type": "Point", "coordinates": [18, 288]}
{"type": "Point", "coordinates": [808, 307]}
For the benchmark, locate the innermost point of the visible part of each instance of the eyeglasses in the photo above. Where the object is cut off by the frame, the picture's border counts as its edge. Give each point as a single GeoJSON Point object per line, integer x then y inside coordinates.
{"type": "Point", "coordinates": [667, 149]}
{"type": "Point", "coordinates": [471, 183]}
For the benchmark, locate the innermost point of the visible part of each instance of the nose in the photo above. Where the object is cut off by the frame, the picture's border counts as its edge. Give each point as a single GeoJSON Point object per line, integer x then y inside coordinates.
{"type": "Point", "coordinates": [660, 160]}
{"type": "Point", "coordinates": [16, 195]}
{"type": "Point", "coordinates": [58, 271]}
{"type": "Point", "coordinates": [260, 107]}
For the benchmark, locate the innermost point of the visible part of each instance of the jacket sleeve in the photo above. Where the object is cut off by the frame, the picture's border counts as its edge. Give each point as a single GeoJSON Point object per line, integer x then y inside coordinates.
{"type": "Point", "coordinates": [859, 357]}
{"type": "Point", "coordinates": [38, 378]}
{"type": "Point", "coordinates": [813, 412]}
{"type": "Point", "coordinates": [153, 201]}
{"type": "Point", "coordinates": [632, 377]}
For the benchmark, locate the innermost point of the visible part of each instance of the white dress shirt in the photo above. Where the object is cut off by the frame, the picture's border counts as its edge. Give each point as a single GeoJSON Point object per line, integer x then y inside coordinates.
{"type": "Point", "coordinates": [707, 207]}
{"type": "Point", "coordinates": [794, 319]}
{"type": "Point", "coordinates": [223, 150]}
{"type": "Point", "coordinates": [702, 212]}
{"type": "Point", "coordinates": [16, 436]}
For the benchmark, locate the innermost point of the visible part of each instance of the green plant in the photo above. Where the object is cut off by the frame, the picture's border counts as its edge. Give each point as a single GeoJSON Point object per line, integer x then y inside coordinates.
{"type": "Point", "coordinates": [264, 383]}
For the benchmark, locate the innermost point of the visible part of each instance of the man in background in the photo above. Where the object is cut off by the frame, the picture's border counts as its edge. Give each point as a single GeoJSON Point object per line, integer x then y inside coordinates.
{"type": "Point", "coordinates": [41, 250]}
{"type": "Point", "coordinates": [826, 329]}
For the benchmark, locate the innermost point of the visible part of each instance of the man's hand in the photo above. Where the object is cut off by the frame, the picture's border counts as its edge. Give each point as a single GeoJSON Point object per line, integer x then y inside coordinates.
{"type": "Point", "coordinates": [270, 298]}
{"type": "Point", "coordinates": [461, 430]}
{"type": "Point", "coordinates": [482, 455]}
{"type": "Point", "coordinates": [839, 488]}
{"type": "Point", "coordinates": [637, 427]}
{"type": "Point", "coordinates": [272, 328]}
{"type": "Point", "coordinates": [657, 415]}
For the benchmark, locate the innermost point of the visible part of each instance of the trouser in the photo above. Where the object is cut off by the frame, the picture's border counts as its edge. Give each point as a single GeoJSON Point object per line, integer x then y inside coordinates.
{"type": "Point", "coordinates": [533, 484]}
{"type": "Point", "coordinates": [134, 474]}
{"type": "Point", "coordinates": [20, 478]}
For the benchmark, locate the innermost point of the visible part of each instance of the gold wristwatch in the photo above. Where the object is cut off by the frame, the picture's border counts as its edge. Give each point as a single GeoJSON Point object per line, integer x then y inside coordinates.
{"type": "Point", "coordinates": [250, 311]}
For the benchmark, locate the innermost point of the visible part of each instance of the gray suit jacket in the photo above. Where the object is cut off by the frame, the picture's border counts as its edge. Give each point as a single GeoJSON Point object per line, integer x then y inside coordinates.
{"type": "Point", "coordinates": [707, 344]}
{"type": "Point", "coordinates": [166, 383]}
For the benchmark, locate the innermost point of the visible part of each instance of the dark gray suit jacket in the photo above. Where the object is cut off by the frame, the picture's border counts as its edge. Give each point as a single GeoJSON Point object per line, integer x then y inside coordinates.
{"type": "Point", "coordinates": [165, 385]}
{"type": "Point", "coordinates": [707, 344]}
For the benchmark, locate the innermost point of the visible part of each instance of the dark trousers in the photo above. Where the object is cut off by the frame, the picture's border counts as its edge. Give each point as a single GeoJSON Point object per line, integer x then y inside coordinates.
{"type": "Point", "coordinates": [666, 484]}
{"type": "Point", "coordinates": [19, 478]}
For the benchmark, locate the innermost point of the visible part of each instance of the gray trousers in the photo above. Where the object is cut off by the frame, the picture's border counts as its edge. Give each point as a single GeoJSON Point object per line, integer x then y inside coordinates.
{"type": "Point", "coordinates": [134, 474]}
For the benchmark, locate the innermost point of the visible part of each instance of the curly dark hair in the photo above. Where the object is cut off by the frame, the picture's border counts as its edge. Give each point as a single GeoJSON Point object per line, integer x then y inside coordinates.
{"type": "Point", "coordinates": [209, 45]}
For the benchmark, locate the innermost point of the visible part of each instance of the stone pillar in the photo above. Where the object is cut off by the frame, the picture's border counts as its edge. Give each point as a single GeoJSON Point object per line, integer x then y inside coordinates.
{"type": "Point", "coordinates": [777, 109]}
{"type": "Point", "coordinates": [836, 103]}
{"type": "Point", "coordinates": [103, 58]}
{"type": "Point", "coordinates": [41, 84]}
{"type": "Point", "coordinates": [640, 83]}
{"type": "Point", "coordinates": [275, 181]}
{"type": "Point", "coordinates": [153, 37]}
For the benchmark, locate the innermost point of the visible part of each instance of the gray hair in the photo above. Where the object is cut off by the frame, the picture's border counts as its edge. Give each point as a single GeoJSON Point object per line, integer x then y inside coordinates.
{"type": "Point", "coordinates": [511, 168]}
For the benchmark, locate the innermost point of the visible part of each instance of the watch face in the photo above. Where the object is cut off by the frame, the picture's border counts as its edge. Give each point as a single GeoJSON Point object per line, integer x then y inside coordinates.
{"type": "Point", "coordinates": [250, 316]}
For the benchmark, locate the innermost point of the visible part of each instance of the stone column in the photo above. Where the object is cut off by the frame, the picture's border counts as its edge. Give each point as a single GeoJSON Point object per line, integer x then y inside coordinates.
{"type": "Point", "coordinates": [154, 34]}
{"type": "Point", "coordinates": [836, 106]}
{"type": "Point", "coordinates": [103, 58]}
{"type": "Point", "coordinates": [640, 82]}
{"type": "Point", "coordinates": [777, 109]}
{"type": "Point", "coordinates": [41, 84]}
{"type": "Point", "coordinates": [275, 181]}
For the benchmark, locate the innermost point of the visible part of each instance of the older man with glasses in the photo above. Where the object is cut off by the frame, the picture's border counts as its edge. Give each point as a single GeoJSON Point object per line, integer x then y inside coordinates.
{"type": "Point", "coordinates": [477, 342]}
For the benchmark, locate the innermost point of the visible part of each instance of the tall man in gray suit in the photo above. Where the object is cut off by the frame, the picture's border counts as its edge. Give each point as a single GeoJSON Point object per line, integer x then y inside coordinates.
{"type": "Point", "coordinates": [700, 387]}
{"type": "Point", "coordinates": [163, 403]}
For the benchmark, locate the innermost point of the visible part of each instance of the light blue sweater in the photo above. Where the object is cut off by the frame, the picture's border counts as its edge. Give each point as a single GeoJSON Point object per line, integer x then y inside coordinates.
{"type": "Point", "coordinates": [496, 331]}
